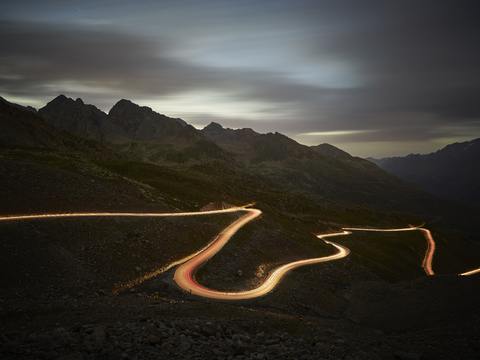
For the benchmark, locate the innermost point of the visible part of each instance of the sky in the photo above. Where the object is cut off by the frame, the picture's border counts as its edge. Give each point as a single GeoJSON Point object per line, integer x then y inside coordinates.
{"type": "Point", "coordinates": [372, 77]}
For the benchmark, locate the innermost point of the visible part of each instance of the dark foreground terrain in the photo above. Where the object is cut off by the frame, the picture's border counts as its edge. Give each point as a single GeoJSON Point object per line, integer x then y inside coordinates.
{"type": "Point", "coordinates": [426, 319]}
{"type": "Point", "coordinates": [83, 288]}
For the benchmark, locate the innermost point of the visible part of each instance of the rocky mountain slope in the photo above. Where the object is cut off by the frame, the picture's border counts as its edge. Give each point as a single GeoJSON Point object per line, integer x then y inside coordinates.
{"type": "Point", "coordinates": [74, 117]}
{"type": "Point", "coordinates": [332, 174]}
{"type": "Point", "coordinates": [134, 131]}
{"type": "Point", "coordinates": [299, 167]}
{"type": "Point", "coordinates": [453, 171]}
{"type": "Point", "coordinates": [19, 127]}
{"type": "Point", "coordinates": [332, 151]}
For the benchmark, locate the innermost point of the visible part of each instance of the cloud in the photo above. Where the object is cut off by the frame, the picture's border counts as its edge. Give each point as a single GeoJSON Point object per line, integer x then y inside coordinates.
{"type": "Point", "coordinates": [54, 58]}
{"type": "Point", "coordinates": [388, 71]}
{"type": "Point", "coordinates": [40, 56]}
{"type": "Point", "coordinates": [414, 56]}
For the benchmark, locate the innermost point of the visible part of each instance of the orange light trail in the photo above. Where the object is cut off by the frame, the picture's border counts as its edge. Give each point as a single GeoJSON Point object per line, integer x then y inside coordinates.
{"type": "Point", "coordinates": [184, 274]}
{"type": "Point", "coordinates": [24, 217]}
{"type": "Point", "coordinates": [427, 260]}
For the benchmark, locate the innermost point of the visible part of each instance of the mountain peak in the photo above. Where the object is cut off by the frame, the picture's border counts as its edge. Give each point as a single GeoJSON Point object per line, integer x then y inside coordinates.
{"type": "Point", "coordinates": [127, 107]}
{"type": "Point", "coordinates": [213, 126]}
{"type": "Point", "coordinates": [61, 99]}
{"type": "Point", "coordinates": [126, 102]}
{"type": "Point", "coordinates": [221, 135]}
{"type": "Point", "coordinates": [141, 122]}
{"type": "Point", "coordinates": [330, 150]}
{"type": "Point", "coordinates": [123, 105]}
{"type": "Point", "coordinates": [74, 116]}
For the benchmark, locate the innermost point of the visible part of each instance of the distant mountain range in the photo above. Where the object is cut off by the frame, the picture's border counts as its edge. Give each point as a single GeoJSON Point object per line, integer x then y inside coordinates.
{"type": "Point", "coordinates": [322, 174]}
{"type": "Point", "coordinates": [453, 171]}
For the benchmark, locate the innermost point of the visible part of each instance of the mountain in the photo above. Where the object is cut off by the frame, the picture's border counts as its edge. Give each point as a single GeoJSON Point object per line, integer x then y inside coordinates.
{"type": "Point", "coordinates": [323, 171]}
{"type": "Point", "coordinates": [74, 116]}
{"type": "Point", "coordinates": [453, 171]}
{"type": "Point", "coordinates": [330, 150]}
{"type": "Point", "coordinates": [20, 127]}
{"type": "Point", "coordinates": [26, 108]}
{"type": "Point", "coordinates": [136, 132]}
{"type": "Point", "coordinates": [140, 122]}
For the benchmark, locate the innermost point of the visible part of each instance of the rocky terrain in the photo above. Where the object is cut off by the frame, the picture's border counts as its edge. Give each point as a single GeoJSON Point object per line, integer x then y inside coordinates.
{"type": "Point", "coordinates": [138, 325]}
{"type": "Point", "coordinates": [154, 337]}
{"type": "Point", "coordinates": [135, 132]}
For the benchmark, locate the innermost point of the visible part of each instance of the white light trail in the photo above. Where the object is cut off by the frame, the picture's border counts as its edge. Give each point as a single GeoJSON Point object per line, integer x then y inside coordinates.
{"type": "Point", "coordinates": [471, 272]}
{"type": "Point", "coordinates": [427, 260]}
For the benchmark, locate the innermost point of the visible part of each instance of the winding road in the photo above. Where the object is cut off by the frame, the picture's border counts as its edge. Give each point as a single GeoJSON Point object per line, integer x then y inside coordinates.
{"type": "Point", "coordinates": [427, 260]}
{"type": "Point", "coordinates": [184, 275]}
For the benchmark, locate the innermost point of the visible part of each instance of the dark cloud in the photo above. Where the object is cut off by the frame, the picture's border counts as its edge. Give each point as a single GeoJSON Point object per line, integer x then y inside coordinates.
{"type": "Point", "coordinates": [418, 56]}
{"type": "Point", "coordinates": [389, 70]}
{"type": "Point", "coordinates": [37, 54]}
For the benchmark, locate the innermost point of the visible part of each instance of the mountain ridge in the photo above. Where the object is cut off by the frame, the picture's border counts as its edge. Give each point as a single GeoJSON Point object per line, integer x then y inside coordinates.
{"type": "Point", "coordinates": [22, 127]}
{"type": "Point", "coordinates": [303, 168]}
{"type": "Point", "coordinates": [453, 171]}
{"type": "Point", "coordinates": [26, 108]}
{"type": "Point", "coordinates": [136, 132]}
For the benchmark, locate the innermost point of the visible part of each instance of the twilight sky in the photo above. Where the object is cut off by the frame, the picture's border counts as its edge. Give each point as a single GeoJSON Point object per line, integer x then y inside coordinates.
{"type": "Point", "coordinates": [374, 78]}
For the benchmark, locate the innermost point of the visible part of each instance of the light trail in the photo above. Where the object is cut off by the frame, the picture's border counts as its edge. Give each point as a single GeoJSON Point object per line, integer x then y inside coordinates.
{"type": "Point", "coordinates": [380, 230]}
{"type": "Point", "coordinates": [184, 275]}
{"type": "Point", "coordinates": [471, 272]}
{"type": "Point", "coordinates": [157, 272]}
{"type": "Point", "coordinates": [427, 260]}
{"type": "Point", "coordinates": [25, 217]}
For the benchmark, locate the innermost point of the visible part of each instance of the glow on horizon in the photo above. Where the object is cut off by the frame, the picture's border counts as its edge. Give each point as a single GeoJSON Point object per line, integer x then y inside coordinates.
{"type": "Point", "coordinates": [380, 149]}
{"type": "Point", "coordinates": [334, 133]}
{"type": "Point", "coordinates": [216, 105]}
